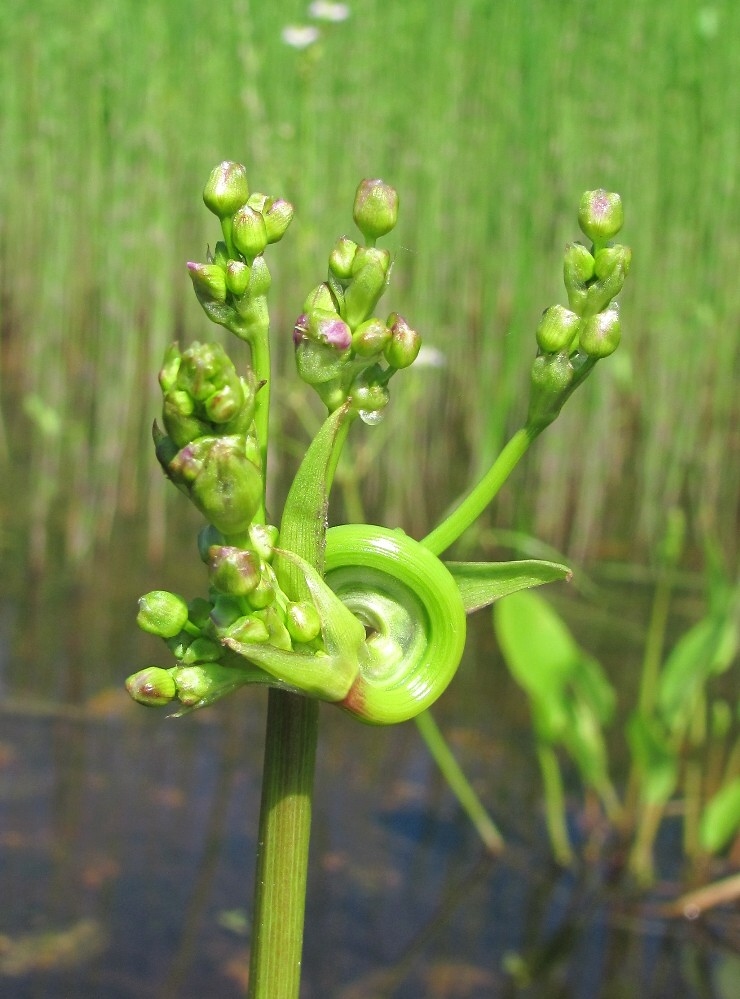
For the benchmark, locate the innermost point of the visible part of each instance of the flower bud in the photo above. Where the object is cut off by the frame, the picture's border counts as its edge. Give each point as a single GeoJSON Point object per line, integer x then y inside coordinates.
{"type": "Point", "coordinates": [371, 255]}
{"type": "Point", "coordinates": [320, 297]}
{"type": "Point", "coordinates": [248, 629]}
{"type": "Point", "coordinates": [557, 329]}
{"type": "Point", "coordinates": [405, 342]}
{"type": "Point", "coordinates": [180, 421]}
{"type": "Point", "coordinates": [233, 570]}
{"type": "Point", "coordinates": [327, 328]}
{"type": "Point", "coordinates": [226, 189]}
{"type": "Point", "coordinates": [600, 334]}
{"type": "Point", "coordinates": [550, 380]}
{"type": "Point", "coordinates": [369, 391]}
{"type": "Point", "coordinates": [278, 214]}
{"type": "Point", "coordinates": [238, 276]}
{"type": "Point", "coordinates": [375, 209]}
{"type": "Point", "coordinates": [202, 650]}
{"type": "Point", "coordinates": [249, 232]}
{"type": "Point", "coordinates": [600, 215]}
{"type": "Point", "coordinates": [370, 338]}
{"type": "Point", "coordinates": [220, 480]}
{"type": "Point", "coordinates": [363, 293]}
{"type": "Point", "coordinates": [264, 537]}
{"type": "Point", "coordinates": [209, 281]}
{"type": "Point", "coordinates": [263, 594]}
{"type": "Point", "coordinates": [341, 258]}
{"type": "Point", "coordinates": [225, 403]}
{"type": "Point", "coordinates": [302, 621]}
{"type": "Point", "coordinates": [162, 613]}
{"type": "Point", "coordinates": [602, 291]}
{"type": "Point", "coordinates": [317, 363]}
{"type": "Point", "coordinates": [206, 683]}
{"type": "Point", "coordinates": [170, 367]}
{"type": "Point", "coordinates": [205, 368]}
{"type": "Point", "coordinates": [152, 686]}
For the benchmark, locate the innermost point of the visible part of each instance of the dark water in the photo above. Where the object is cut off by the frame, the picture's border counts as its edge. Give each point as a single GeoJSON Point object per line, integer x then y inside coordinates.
{"type": "Point", "coordinates": [127, 840]}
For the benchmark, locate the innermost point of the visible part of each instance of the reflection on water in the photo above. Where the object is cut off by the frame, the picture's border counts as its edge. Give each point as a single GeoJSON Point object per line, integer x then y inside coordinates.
{"type": "Point", "coordinates": [127, 843]}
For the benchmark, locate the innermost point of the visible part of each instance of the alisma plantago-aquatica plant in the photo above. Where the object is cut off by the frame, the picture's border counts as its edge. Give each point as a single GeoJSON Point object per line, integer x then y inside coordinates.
{"type": "Point", "coordinates": [356, 615]}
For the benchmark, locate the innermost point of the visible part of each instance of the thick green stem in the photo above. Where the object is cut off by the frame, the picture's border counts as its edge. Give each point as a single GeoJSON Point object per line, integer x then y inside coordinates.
{"type": "Point", "coordinates": [446, 533]}
{"type": "Point", "coordinates": [261, 366]}
{"type": "Point", "coordinates": [282, 854]}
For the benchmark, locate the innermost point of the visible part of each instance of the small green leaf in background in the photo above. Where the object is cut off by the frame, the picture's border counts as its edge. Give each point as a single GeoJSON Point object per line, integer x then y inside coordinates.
{"type": "Point", "coordinates": [480, 583]}
{"type": "Point", "coordinates": [655, 760]}
{"type": "Point", "coordinates": [720, 820]}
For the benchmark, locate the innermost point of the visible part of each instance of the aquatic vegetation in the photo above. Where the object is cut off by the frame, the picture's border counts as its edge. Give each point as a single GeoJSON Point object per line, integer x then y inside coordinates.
{"type": "Point", "coordinates": [361, 616]}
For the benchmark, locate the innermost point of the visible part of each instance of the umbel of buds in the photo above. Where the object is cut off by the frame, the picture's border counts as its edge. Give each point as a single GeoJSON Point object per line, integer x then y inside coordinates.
{"type": "Point", "coordinates": [571, 340]}
{"type": "Point", "coordinates": [342, 348]}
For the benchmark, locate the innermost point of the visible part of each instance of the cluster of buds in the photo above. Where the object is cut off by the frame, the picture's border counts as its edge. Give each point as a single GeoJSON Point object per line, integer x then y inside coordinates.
{"type": "Point", "coordinates": [572, 340]}
{"type": "Point", "coordinates": [245, 606]}
{"type": "Point", "coordinates": [232, 286]}
{"type": "Point", "coordinates": [209, 449]}
{"type": "Point", "coordinates": [342, 349]}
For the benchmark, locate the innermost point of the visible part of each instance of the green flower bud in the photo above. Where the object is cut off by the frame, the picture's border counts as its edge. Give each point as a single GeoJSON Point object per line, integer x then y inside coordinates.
{"type": "Point", "coordinates": [370, 338]}
{"type": "Point", "coordinates": [152, 686]}
{"type": "Point", "coordinates": [321, 298]}
{"type": "Point", "coordinates": [261, 279]}
{"type": "Point", "coordinates": [371, 255]}
{"type": "Point", "coordinates": [550, 380]}
{"type": "Point", "coordinates": [226, 189]}
{"type": "Point", "coordinates": [600, 215]}
{"type": "Point", "coordinates": [557, 329]}
{"type": "Point", "coordinates": [328, 328]}
{"type": "Point", "coordinates": [249, 232]}
{"type": "Point", "coordinates": [205, 368]}
{"type": "Point", "coordinates": [600, 334]}
{"type": "Point", "coordinates": [375, 209]}
{"type": "Point", "coordinates": [181, 423]}
{"type": "Point", "coordinates": [302, 621]}
{"type": "Point", "coordinates": [264, 592]}
{"type": "Point", "coordinates": [238, 276]}
{"type": "Point", "coordinates": [279, 635]}
{"type": "Point", "coordinates": [578, 265]}
{"type": "Point", "coordinates": [405, 342]}
{"type": "Point", "coordinates": [202, 650]}
{"type": "Point", "coordinates": [363, 293]}
{"type": "Point", "coordinates": [601, 292]}
{"type": "Point", "coordinates": [317, 363]}
{"type": "Point", "coordinates": [233, 570]}
{"type": "Point", "coordinates": [199, 610]}
{"type": "Point", "coordinates": [207, 682]}
{"type": "Point", "coordinates": [369, 391]}
{"type": "Point", "coordinates": [225, 404]}
{"type": "Point", "coordinates": [170, 367]}
{"type": "Point", "coordinates": [220, 480]}
{"type": "Point", "coordinates": [209, 281]}
{"type": "Point", "coordinates": [341, 258]}
{"type": "Point", "coordinates": [162, 613]}
{"type": "Point", "coordinates": [278, 214]}
{"type": "Point", "coordinates": [248, 629]}
{"type": "Point", "coordinates": [224, 612]}
{"type": "Point", "coordinates": [264, 538]}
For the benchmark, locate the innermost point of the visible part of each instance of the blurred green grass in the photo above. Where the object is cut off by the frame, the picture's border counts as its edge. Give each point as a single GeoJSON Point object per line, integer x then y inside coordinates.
{"type": "Point", "coordinates": [490, 119]}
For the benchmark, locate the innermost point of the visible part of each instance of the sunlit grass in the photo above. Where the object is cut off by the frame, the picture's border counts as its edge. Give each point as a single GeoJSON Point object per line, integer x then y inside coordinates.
{"type": "Point", "coordinates": [490, 119]}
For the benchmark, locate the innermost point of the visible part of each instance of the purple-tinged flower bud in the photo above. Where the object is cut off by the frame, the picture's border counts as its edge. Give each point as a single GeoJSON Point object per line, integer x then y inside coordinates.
{"type": "Point", "coordinates": [341, 258]}
{"type": "Point", "coordinates": [225, 403]}
{"type": "Point", "coordinates": [405, 342]}
{"type": "Point", "coordinates": [600, 215]}
{"type": "Point", "coordinates": [370, 338]}
{"type": "Point", "coordinates": [152, 686]}
{"type": "Point", "coordinates": [302, 621]}
{"type": "Point", "coordinates": [237, 277]}
{"type": "Point", "coordinates": [209, 281]}
{"type": "Point", "coordinates": [300, 329]}
{"type": "Point", "coordinates": [226, 189]}
{"type": "Point", "coordinates": [557, 329]}
{"type": "Point", "coordinates": [278, 214]}
{"type": "Point", "coordinates": [249, 232]}
{"type": "Point", "coordinates": [162, 613]}
{"type": "Point", "coordinates": [600, 334]}
{"type": "Point", "coordinates": [320, 297]}
{"type": "Point", "coordinates": [327, 327]}
{"type": "Point", "coordinates": [375, 209]}
{"type": "Point", "coordinates": [233, 570]}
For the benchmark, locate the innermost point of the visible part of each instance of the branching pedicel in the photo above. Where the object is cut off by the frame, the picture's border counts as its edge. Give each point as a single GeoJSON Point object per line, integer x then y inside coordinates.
{"type": "Point", "coordinates": [364, 617]}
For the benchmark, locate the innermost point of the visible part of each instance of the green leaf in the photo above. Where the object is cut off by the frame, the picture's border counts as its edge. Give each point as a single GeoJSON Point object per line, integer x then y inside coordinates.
{"type": "Point", "coordinates": [720, 820]}
{"type": "Point", "coordinates": [591, 686]}
{"type": "Point", "coordinates": [480, 583]}
{"type": "Point", "coordinates": [303, 527]}
{"type": "Point", "coordinates": [540, 652]}
{"type": "Point", "coordinates": [655, 760]}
